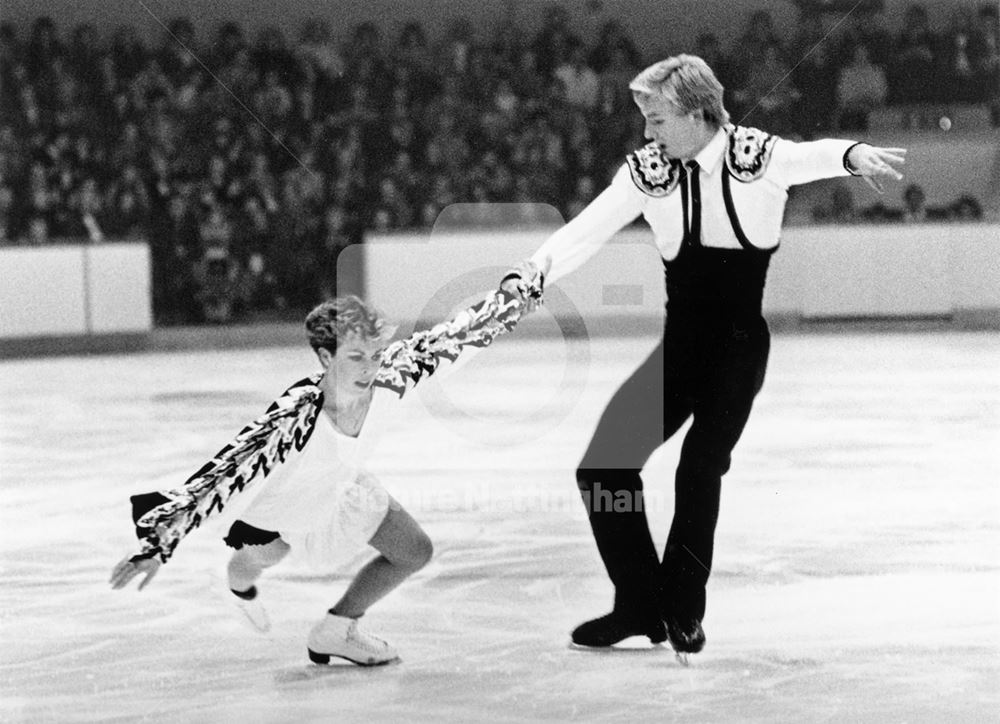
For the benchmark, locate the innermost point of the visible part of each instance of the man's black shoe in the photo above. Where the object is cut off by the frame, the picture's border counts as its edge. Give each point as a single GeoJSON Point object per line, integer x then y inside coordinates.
{"type": "Point", "coordinates": [614, 627]}
{"type": "Point", "coordinates": [686, 634]}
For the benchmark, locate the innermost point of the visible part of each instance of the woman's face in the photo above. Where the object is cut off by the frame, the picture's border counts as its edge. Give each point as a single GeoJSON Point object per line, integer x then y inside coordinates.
{"type": "Point", "coordinates": [351, 371]}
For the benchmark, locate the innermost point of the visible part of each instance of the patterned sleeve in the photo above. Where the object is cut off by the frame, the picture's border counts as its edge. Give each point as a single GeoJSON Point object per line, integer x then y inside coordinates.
{"type": "Point", "coordinates": [407, 361]}
{"type": "Point", "coordinates": [163, 518]}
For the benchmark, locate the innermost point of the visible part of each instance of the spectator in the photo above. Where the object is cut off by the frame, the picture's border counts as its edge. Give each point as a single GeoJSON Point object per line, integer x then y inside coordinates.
{"type": "Point", "coordinates": [757, 41]}
{"type": "Point", "coordinates": [229, 40]}
{"type": "Point", "coordinates": [43, 48]}
{"type": "Point", "coordinates": [984, 55]}
{"type": "Point", "coordinates": [861, 88]}
{"type": "Point", "coordinates": [85, 52]}
{"type": "Point", "coordinates": [321, 64]}
{"type": "Point", "coordinates": [816, 78]}
{"type": "Point", "coordinates": [956, 68]}
{"type": "Point", "coordinates": [865, 26]}
{"type": "Point", "coordinates": [217, 272]}
{"type": "Point", "coordinates": [527, 79]}
{"type": "Point", "coordinates": [839, 207]}
{"type": "Point", "coordinates": [583, 194]}
{"type": "Point", "coordinates": [914, 61]}
{"type": "Point", "coordinates": [273, 101]}
{"type": "Point", "coordinates": [128, 217]}
{"type": "Point", "coordinates": [613, 101]}
{"type": "Point", "coordinates": [454, 54]}
{"type": "Point", "coordinates": [412, 49]}
{"type": "Point", "coordinates": [915, 209]}
{"type": "Point", "coordinates": [708, 48]}
{"type": "Point", "coordinates": [178, 48]}
{"type": "Point", "coordinates": [272, 55]}
{"type": "Point", "coordinates": [8, 232]}
{"type": "Point", "coordinates": [38, 230]}
{"type": "Point", "coordinates": [338, 234]}
{"type": "Point", "coordinates": [128, 53]}
{"type": "Point", "coordinates": [966, 208]}
{"type": "Point", "coordinates": [252, 230]}
{"type": "Point", "coordinates": [579, 80]}
{"type": "Point", "coordinates": [215, 232]}
{"type": "Point", "coordinates": [614, 41]}
{"type": "Point", "coordinates": [551, 40]}
{"type": "Point", "coordinates": [174, 248]}
{"type": "Point", "coordinates": [767, 96]}
{"type": "Point", "coordinates": [396, 203]}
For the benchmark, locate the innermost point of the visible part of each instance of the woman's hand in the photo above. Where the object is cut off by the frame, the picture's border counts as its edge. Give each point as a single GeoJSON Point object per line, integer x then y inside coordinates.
{"type": "Point", "coordinates": [131, 566]}
{"type": "Point", "coordinates": [520, 276]}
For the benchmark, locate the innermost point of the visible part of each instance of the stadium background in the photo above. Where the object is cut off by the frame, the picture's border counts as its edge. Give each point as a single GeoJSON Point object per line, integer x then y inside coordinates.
{"type": "Point", "coordinates": [307, 148]}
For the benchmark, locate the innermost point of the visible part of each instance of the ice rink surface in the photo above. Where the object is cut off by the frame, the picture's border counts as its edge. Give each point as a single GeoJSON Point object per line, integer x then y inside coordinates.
{"type": "Point", "coordinates": [856, 576]}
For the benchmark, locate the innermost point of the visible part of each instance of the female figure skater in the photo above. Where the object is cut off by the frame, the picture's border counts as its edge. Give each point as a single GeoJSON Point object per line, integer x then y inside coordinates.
{"type": "Point", "coordinates": [299, 468]}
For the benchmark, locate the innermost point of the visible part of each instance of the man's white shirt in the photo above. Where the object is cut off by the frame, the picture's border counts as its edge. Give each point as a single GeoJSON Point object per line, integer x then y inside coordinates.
{"type": "Point", "coordinates": [759, 204]}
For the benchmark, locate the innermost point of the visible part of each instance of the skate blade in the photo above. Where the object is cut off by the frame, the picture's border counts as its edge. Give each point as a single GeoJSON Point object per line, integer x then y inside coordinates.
{"type": "Point", "coordinates": [257, 621]}
{"type": "Point", "coordinates": [682, 658]}
{"type": "Point", "coordinates": [324, 659]}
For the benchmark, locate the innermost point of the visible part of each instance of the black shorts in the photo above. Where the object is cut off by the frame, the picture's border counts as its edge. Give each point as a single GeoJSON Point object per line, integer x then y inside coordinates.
{"type": "Point", "coordinates": [241, 534]}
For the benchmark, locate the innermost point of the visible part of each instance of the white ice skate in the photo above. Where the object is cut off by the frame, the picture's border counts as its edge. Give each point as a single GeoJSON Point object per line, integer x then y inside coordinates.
{"type": "Point", "coordinates": [340, 636]}
{"type": "Point", "coordinates": [253, 612]}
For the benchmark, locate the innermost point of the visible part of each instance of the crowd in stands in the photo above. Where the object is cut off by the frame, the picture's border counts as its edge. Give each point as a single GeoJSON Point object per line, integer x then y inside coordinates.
{"type": "Point", "coordinates": [248, 163]}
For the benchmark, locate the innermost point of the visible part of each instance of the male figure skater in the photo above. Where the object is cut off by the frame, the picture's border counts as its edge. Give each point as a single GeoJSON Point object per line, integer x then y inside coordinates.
{"type": "Point", "coordinates": [714, 195]}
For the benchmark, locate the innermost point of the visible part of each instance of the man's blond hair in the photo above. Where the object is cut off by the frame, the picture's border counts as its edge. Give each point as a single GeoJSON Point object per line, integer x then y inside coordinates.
{"type": "Point", "coordinates": [688, 83]}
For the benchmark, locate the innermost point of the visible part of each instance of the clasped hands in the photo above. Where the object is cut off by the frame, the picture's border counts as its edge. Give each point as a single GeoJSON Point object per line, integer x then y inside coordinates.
{"type": "Point", "coordinates": [524, 281]}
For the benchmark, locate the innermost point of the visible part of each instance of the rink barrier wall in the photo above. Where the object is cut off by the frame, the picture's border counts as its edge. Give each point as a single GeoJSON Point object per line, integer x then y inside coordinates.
{"type": "Point", "coordinates": [946, 272]}
{"type": "Point", "coordinates": [76, 298]}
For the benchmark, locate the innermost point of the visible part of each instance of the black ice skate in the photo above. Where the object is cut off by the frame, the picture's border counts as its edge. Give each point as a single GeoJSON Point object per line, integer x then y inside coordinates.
{"type": "Point", "coordinates": [686, 636]}
{"type": "Point", "coordinates": [614, 627]}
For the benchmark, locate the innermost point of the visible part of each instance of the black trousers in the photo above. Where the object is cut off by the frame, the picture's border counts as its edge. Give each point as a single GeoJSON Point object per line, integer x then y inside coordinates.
{"type": "Point", "coordinates": [705, 367]}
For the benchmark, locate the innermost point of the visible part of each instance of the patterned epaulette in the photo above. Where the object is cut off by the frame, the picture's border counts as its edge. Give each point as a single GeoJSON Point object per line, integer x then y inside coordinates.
{"type": "Point", "coordinates": [749, 152]}
{"type": "Point", "coordinates": [654, 173]}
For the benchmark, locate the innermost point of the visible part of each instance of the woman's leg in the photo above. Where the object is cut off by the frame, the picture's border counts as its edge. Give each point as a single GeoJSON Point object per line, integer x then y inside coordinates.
{"type": "Point", "coordinates": [249, 561]}
{"type": "Point", "coordinates": [404, 549]}
{"type": "Point", "coordinates": [245, 567]}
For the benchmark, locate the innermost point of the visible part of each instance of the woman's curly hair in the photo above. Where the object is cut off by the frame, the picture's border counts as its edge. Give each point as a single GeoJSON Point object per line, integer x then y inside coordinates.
{"type": "Point", "coordinates": [333, 320]}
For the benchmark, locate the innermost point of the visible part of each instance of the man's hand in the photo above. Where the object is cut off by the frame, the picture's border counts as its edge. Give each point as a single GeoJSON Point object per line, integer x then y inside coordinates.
{"type": "Point", "coordinates": [131, 566]}
{"type": "Point", "coordinates": [876, 164]}
{"type": "Point", "coordinates": [513, 281]}
{"type": "Point", "coordinates": [517, 279]}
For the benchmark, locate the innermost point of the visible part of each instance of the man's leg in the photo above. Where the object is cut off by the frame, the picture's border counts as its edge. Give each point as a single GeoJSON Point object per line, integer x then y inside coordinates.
{"type": "Point", "coordinates": [721, 411]}
{"type": "Point", "coordinates": [631, 428]}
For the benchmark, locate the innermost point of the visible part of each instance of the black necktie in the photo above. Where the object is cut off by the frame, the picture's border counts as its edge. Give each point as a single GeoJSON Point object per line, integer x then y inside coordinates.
{"type": "Point", "coordinates": [694, 233]}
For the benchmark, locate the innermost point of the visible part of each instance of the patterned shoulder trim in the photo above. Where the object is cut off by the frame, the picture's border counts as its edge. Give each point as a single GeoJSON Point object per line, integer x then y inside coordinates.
{"type": "Point", "coordinates": [654, 174]}
{"type": "Point", "coordinates": [749, 153]}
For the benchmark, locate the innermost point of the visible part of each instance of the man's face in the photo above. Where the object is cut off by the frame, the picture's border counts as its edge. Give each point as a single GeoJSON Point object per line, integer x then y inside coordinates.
{"type": "Point", "coordinates": [678, 133]}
